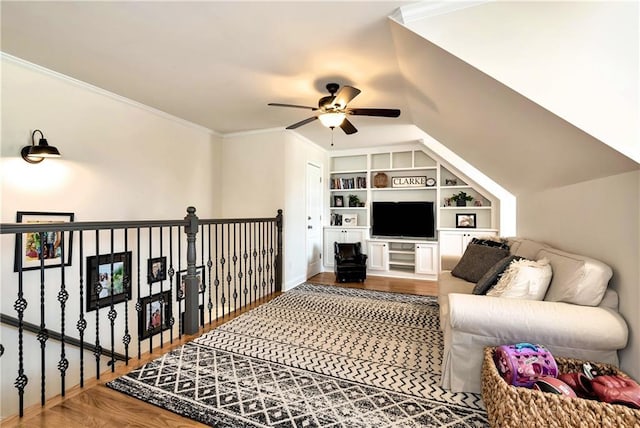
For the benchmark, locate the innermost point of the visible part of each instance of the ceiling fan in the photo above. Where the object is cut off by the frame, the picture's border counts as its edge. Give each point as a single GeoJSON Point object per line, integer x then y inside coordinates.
{"type": "Point", "coordinates": [333, 109]}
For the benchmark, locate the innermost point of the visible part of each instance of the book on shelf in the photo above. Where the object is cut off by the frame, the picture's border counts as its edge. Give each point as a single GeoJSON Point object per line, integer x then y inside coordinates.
{"type": "Point", "coordinates": [349, 183]}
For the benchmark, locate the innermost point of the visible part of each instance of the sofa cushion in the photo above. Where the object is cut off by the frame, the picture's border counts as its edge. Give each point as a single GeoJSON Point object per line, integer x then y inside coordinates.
{"type": "Point", "coordinates": [576, 279]}
{"type": "Point", "coordinates": [526, 248]}
{"type": "Point", "coordinates": [490, 278]}
{"type": "Point", "coordinates": [524, 279]}
{"type": "Point", "coordinates": [477, 260]}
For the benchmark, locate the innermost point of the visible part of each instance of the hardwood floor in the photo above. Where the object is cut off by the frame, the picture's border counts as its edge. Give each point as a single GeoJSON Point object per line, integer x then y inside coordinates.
{"type": "Point", "coordinates": [95, 405]}
{"type": "Point", "coordinates": [382, 283]}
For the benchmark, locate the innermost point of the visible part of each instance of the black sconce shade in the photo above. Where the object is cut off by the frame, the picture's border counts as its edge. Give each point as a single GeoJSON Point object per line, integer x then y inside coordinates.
{"type": "Point", "coordinates": [36, 154]}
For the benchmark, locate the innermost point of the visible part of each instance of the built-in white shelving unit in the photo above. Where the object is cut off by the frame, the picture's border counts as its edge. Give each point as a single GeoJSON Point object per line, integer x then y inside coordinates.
{"type": "Point", "coordinates": [356, 179]}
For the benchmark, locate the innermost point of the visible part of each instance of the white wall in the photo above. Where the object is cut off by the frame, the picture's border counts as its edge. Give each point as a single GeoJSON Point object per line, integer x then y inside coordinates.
{"type": "Point", "coordinates": [263, 172]}
{"type": "Point", "coordinates": [252, 174]}
{"type": "Point", "coordinates": [601, 219]}
{"type": "Point", "coordinates": [578, 59]}
{"type": "Point", "coordinates": [298, 153]}
{"type": "Point", "coordinates": [120, 161]}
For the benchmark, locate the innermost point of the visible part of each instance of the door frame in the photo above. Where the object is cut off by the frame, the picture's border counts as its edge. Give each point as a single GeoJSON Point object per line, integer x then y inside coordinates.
{"type": "Point", "coordinates": [320, 214]}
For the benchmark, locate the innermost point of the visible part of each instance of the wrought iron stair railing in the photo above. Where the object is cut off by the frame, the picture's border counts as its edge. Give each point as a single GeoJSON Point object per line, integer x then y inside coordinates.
{"type": "Point", "coordinates": [130, 274]}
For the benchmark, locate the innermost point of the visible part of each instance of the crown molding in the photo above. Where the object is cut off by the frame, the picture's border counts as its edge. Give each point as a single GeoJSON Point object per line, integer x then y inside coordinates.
{"type": "Point", "coordinates": [252, 132]}
{"type": "Point", "coordinates": [426, 9]}
{"type": "Point", "coordinates": [97, 90]}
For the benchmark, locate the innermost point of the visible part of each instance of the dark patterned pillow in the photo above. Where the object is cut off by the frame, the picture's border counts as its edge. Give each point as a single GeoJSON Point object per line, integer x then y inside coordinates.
{"type": "Point", "coordinates": [477, 260]}
{"type": "Point", "coordinates": [498, 243]}
{"type": "Point", "coordinates": [491, 277]}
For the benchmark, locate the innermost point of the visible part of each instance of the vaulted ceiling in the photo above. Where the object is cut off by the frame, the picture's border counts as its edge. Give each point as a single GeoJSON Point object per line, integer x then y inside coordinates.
{"type": "Point", "coordinates": [218, 64]}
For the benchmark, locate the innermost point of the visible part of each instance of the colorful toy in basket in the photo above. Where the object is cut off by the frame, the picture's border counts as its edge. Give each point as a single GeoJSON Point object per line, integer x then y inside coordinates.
{"type": "Point", "coordinates": [522, 364]}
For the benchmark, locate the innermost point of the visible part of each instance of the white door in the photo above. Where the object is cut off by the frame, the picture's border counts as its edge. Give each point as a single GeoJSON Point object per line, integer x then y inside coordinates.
{"type": "Point", "coordinates": [314, 220]}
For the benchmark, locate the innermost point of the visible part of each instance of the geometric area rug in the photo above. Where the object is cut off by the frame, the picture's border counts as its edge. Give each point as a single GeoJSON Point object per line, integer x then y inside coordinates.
{"type": "Point", "coordinates": [315, 356]}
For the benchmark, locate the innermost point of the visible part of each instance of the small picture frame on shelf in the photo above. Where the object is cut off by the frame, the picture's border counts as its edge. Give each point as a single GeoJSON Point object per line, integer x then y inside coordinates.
{"type": "Point", "coordinates": [450, 182]}
{"type": "Point", "coordinates": [336, 219]}
{"type": "Point", "coordinates": [338, 201]}
{"type": "Point", "coordinates": [350, 220]}
{"type": "Point", "coordinates": [466, 221]}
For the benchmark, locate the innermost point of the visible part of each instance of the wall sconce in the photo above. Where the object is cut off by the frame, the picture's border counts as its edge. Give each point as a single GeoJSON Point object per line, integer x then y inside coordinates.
{"type": "Point", "coordinates": [36, 154]}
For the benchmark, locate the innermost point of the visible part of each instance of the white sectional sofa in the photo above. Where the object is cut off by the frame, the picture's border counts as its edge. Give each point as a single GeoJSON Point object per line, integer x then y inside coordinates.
{"type": "Point", "coordinates": [578, 317]}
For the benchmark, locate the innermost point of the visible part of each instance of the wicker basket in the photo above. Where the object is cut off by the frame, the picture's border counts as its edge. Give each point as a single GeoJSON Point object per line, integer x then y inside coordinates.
{"type": "Point", "coordinates": [509, 406]}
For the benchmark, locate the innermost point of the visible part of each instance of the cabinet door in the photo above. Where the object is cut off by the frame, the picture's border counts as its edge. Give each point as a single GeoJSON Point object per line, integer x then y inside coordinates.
{"type": "Point", "coordinates": [426, 258]}
{"type": "Point", "coordinates": [340, 235]}
{"type": "Point", "coordinates": [455, 243]}
{"type": "Point", "coordinates": [354, 236]}
{"type": "Point", "coordinates": [331, 236]}
{"type": "Point", "coordinates": [451, 244]}
{"type": "Point", "coordinates": [378, 253]}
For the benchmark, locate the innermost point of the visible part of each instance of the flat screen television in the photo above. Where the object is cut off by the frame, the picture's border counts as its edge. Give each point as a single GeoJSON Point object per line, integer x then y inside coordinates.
{"type": "Point", "coordinates": [403, 220]}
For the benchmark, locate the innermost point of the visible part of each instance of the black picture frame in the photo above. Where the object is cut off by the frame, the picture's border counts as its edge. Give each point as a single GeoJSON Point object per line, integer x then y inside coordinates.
{"type": "Point", "coordinates": [180, 282]}
{"type": "Point", "coordinates": [156, 269]}
{"type": "Point", "coordinates": [150, 320]}
{"type": "Point", "coordinates": [338, 201]}
{"type": "Point", "coordinates": [105, 270]}
{"type": "Point", "coordinates": [466, 221]}
{"type": "Point", "coordinates": [29, 252]}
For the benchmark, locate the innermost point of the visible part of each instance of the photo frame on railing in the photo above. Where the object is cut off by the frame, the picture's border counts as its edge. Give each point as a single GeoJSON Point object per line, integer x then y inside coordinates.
{"type": "Point", "coordinates": [113, 273]}
{"type": "Point", "coordinates": [150, 320]}
{"type": "Point", "coordinates": [156, 269]}
{"type": "Point", "coordinates": [180, 282]}
{"type": "Point", "coordinates": [33, 252]}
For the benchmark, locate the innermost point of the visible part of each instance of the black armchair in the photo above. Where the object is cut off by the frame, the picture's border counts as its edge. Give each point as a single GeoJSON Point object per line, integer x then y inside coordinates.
{"type": "Point", "coordinates": [350, 264]}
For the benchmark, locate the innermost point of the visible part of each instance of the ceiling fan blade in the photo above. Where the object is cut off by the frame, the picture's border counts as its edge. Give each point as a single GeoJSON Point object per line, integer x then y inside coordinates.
{"type": "Point", "coordinates": [348, 127]}
{"type": "Point", "coordinates": [383, 112]}
{"type": "Point", "coordinates": [302, 122]}
{"type": "Point", "coordinates": [292, 105]}
{"type": "Point", "coordinates": [344, 95]}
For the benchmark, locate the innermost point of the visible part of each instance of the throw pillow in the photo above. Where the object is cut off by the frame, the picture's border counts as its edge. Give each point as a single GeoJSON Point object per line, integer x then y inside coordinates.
{"type": "Point", "coordinates": [490, 278]}
{"type": "Point", "coordinates": [477, 260]}
{"type": "Point", "coordinates": [524, 279]}
{"type": "Point", "coordinates": [576, 279]}
{"type": "Point", "coordinates": [491, 241]}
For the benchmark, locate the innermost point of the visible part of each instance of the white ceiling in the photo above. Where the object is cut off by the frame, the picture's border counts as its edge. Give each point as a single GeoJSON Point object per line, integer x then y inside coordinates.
{"type": "Point", "coordinates": [218, 64]}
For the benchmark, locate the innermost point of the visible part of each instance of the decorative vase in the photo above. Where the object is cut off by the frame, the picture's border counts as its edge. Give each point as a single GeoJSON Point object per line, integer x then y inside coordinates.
{"type": "Point", "coordinates": [380, 180]}
{"type": "Point", "coordinates": [461, 203]}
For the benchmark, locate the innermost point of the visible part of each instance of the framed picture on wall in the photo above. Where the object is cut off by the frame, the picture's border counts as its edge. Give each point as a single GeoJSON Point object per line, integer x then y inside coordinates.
{"type": "Point", "coordinates": [180, 278]}
{"type": "Point", "coordinates": [466, 221]}
{"type": "Point", "coordinates": [46, 249]}
{"type": "Point", "coordinates": [156, 269]}
{"type": "Point", "coordinates": [108, 279]}
{"type": "Point", "coordinates": [152, 319]}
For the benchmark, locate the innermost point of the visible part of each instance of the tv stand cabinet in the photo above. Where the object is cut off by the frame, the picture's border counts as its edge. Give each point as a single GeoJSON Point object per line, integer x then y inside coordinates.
{"type": "Point", "coordinates": [403, 258]}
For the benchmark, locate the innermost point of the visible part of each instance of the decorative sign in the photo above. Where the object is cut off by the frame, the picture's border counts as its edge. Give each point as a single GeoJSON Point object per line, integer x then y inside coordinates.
{"type": "Point", "coordinates": [417, 181]}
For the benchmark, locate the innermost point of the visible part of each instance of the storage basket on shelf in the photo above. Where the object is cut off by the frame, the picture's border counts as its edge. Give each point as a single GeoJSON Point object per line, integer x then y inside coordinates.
{"type": "Point", "coordinates": [510, 406]}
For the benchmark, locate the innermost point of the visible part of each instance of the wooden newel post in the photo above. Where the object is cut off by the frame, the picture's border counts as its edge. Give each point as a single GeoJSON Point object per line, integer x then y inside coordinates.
{"type": "Point", "coordinates": [279, 252]}
{"type": "Point", "coordinates": [191, 310]}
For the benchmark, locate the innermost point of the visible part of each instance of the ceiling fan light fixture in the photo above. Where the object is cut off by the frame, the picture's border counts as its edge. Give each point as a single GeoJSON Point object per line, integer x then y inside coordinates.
{"type": "Point", "coordinates": [331, 120]}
